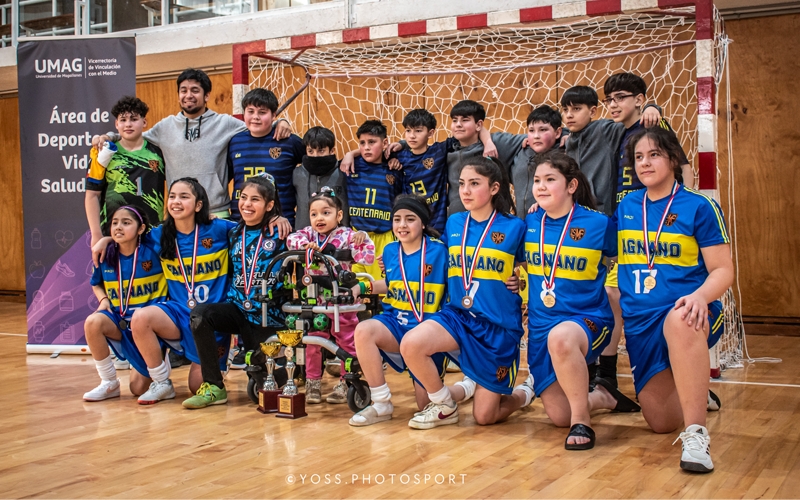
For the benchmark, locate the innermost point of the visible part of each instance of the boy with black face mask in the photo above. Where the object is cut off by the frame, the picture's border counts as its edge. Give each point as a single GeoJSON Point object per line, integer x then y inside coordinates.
{"type": "Point", "coordinates": [320, 168]}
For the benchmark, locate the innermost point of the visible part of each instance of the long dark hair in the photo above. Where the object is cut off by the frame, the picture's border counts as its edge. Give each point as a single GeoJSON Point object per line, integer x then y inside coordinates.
{"type": "Point", "coordinates": [201, 218]}
{"type": "Point", "coordinates": [112, 251]}
{"type": "Point", "coordinates": [568, 167]}
{"type": "Point", "coordinates": [664, 140]}
{"type": "Point", "coordinates": [265, 185]}
{"type": "Point", "coordinates": [493, 169]}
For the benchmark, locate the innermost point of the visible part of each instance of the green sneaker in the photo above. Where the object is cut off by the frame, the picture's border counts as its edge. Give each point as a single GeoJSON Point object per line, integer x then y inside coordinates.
{"type": "Point", "coordinates": [207, 395]}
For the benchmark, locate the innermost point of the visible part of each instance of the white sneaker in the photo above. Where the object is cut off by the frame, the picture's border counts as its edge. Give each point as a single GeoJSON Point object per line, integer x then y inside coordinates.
{"type": "Point", "coordinates": [435, 415]}
{"type": "Point", "coordinates": [158, 391]}
{"type": "Point", "coordinates": [121, 364]}
{"type": "Point", "coordinates": [452, 367]}
{"type": "Point", "coordinates": [714, 403]}
{"type": "Point", "coordinates": [527, 388]}
{"type": "Point", "coordinates": [695, 456]}
{"type": "Point", "coordinates": [106, 390]}
{"type": "Point", "coordinates": [469, 386]}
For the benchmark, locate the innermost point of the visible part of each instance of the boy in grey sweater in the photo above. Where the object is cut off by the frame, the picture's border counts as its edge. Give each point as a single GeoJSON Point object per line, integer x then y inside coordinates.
{"type": "Point", "coordinates": [319, 169]}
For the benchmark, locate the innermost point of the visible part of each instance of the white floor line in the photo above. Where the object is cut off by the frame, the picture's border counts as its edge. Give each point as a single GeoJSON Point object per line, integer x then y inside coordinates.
{"type": "Point", "coordinates": [735, 382]}
{"type": "Point", "coordinates": [14, 334]}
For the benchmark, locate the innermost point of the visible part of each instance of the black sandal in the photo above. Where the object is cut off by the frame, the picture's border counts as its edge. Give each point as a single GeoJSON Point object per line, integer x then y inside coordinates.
{"type": "Point", "coordinates": [580, 430]}
{"type": "Point", "coordinates": [624, 403]}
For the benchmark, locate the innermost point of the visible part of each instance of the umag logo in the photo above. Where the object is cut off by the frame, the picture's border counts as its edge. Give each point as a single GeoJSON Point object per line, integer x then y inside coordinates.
{"type": "Point", "coordinates": [59, 66]}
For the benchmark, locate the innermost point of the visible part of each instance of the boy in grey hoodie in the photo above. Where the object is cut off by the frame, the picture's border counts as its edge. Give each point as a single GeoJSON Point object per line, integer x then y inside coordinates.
{"type": "Point", "coordinates": [319, 169]}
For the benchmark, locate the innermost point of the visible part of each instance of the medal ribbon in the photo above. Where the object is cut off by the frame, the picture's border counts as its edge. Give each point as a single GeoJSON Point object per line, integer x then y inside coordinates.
{"type": "Point", "coordinates": [466, 279]}
{"type": "Point", "coordinates": [189, 288]}
{"type": "Point", "coordinates": [651, 257]}
{"type": "Point", "coordinates": [123, 306]}
{"type": "Point", "coordinates": [248, 281]}
{"type": "Point", "coordinates": [310, 251]}
{"type": "Point", "coordinates": [418, 312]}
{"type": "Point", "coordinates": [550, 282]}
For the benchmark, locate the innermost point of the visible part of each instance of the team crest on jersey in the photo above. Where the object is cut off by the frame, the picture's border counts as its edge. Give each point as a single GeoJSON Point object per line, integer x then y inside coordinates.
{"type": "Point", "coordinates": [611, 265]}
{"type": "Point", "coordinates": [670, 220]}
{"type": "Point", "coordinates": [153, 164]}
{"type": "Point", "coordinates": [275, 153]}
{"type": "Point", "coordinates": [590, 324]}
{"type": "Point", "coordinates": [427, 163]}
{"type": "Point", "coordinates": [269, 245]}
{"type": "Point", "coordinates": [523, 284]}
{"type": "Point", "coordinates": [147, 265]}
{"type": "Point", "coordinates": [428, 270]}
{"type": "Point", "coordinates": [576, 233]}
{"type": "Point", "coordinates": [498, 237]}
{"type": "Point", "coordinates": [502, 372]}
{"type": "Point", "coordinates": [390, 179]}
{"type": "Point", "coordinates": [207, 242]}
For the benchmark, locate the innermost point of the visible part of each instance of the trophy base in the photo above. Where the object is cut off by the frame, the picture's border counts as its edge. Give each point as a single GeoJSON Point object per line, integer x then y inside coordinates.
{"type": "Point", "coordinates": [291, 406]}
{"type": "Point", "coordinates": [268, 401]}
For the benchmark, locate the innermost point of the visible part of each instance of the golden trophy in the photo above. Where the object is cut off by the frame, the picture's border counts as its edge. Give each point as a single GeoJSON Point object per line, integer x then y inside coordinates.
{"type": "Point", "coordinates": [290, 403]}
{"type": "Point", "coordinates": [269, 392]}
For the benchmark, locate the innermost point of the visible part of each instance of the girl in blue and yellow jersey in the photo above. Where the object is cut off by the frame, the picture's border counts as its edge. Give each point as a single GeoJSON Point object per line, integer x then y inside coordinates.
{"type": "Point", "coordinates": [415, 283]}
{"type": "Point", "coordinates": [482, 318]}
{"type": "Point", "coordinates": [252, 249]}
{"type": "Point", "coordinates": [567, 246]}
{"type": "Point", "coordinates": [674, 265]}
{"type": "Point", "coordinates": [128, 279]}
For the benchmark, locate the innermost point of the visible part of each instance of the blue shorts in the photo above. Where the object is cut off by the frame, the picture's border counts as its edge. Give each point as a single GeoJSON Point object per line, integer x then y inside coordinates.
{"type": "Point", "coordinates": [540, 365]}
{"type": "Point", "coordinates": [488, 354]}
{"type": "Point", "coordinates": [179, 315]}
{"type": "Point", "coordinates": [395, 359]}
{"type": "Point", "coordinates": [648, 350]}
{"type": "Point", "coordinates": [125, 348]}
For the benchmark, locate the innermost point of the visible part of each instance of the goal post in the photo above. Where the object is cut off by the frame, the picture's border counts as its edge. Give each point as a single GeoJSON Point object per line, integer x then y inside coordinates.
{"type": "Point", "coordinates": [511, 61]}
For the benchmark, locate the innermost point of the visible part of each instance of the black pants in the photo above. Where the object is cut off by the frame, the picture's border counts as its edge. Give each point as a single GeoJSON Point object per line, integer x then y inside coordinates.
{"type": "Point", "coordinates": [223, 317]}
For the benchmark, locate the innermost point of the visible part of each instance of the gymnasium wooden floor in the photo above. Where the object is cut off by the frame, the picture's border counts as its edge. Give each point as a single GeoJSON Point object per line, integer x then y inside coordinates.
{"type": "Point", "coordinates": [54, 445]}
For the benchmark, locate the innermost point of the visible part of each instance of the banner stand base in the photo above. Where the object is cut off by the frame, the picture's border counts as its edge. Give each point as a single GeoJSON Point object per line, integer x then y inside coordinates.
{"type": "Point", "coordinates": [56, 349]}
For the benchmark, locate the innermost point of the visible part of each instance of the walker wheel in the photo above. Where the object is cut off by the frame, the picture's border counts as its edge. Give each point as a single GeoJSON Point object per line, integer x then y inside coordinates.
{"type": "Point", "coordinates": [358, 396]}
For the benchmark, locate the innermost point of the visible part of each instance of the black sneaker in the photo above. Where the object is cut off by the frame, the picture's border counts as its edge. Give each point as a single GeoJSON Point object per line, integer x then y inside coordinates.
{"type": "Point", "coordinates": [176, 360]}
{"type": "Point", "coordinates": [238, 361]}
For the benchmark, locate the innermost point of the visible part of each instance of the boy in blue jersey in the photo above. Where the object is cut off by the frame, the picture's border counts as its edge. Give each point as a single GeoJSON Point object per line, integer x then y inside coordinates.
{"type": "Point", "coordinates": [371, 190]}
{"type": "Point", "coordinates": [256, 151]}
{"type": "Point", "coordinates": [625, 95]}
{"type": "Point", "coordinates": [319, 169]}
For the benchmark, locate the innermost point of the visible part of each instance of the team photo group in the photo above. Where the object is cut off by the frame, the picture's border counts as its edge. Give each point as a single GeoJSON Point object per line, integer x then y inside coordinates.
{"type": "Point", "coordinates": [558, 239]}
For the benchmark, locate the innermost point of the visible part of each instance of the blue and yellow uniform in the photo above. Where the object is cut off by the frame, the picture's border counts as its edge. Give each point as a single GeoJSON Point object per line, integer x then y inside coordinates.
{"type": "Point", "coordinates": [270, 247]}
{"type": "Point", "coordinates": [580, 273]}
{"type": "Point", "coordinates": [488, 333]}
{"type": "Point", "coordinates": [371, 190]}
{"type": "Point", "coordinates": [250, 156]}
{"type": "Point", "coordinates": [694, 222]}
{"type": "Point", "coordinates": [149, 288]}
{"type": "Point", "coordinates": [426, 176]}
{"type": "Point", "coordinates": [397, 314]}
{"type": "Point", "coordinates": [210, 283]}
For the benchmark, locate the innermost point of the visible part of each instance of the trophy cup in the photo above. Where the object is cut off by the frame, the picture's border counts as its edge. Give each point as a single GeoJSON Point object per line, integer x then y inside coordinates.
{"type": "Point", "coordinates": [290, 403]}
{"type": "Point", "coordinates": [268, 394]}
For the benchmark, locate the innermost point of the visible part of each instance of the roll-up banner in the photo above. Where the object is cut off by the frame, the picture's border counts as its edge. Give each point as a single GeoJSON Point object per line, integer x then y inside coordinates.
{"type": "Point", "coordinates": [67, 87]}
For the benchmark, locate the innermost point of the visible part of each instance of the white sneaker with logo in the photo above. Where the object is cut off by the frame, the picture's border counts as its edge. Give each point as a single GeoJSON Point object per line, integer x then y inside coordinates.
{"type": "Point", "coordinates": [106, 390]}
{"type": "Point", "coordinates": [158, 391]}
{"type": "Point", "coordinates": [695, 456]}
{"type": "Point", "coordinates": [435, 415]}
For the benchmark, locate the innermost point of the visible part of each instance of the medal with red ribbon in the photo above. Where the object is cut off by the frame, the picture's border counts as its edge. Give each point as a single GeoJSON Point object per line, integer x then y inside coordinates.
{"type": "Point", "coordinates": [418, 312]}
{"type": "Point", "coordinates": [248, 277]}
{"type": "Point", "coordinates": [466, 274]}
{"type": "Point", "coordinates": [124, 300]}
{"type": "Point", "coordinates": [191, 302]}
{"type": "Point", "coordinates": [650, 281]}
{"type": "Point", "coordinates": [307, 279]}
{"type": "Point", "coordinates": [548, 294]}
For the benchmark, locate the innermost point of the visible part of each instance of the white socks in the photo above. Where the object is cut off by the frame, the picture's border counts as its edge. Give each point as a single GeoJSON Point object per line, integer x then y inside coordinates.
{"type": "Point", "coordinates": [442, 396]}
{"type": "Point", "coordinates": [382, 400]}
{"type": "Point", "coordinates": [159, 373]}
{"type": "Point", "coordinates": [105, 367]}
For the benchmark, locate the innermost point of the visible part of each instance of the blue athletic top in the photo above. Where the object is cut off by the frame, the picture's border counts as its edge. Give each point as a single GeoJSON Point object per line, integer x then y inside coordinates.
{"type": "Point", "coordinates": [150, 286]}
{"type": "Point", "coordinates": [371, 190]}
{"type": "Point", "coordinates": [396, 301]}
{"type": "Point", "coordinates": [270, 246]}
{"type": "Point", "coordinates": [426, 175]}
{"type": "Point", "coordinates": [249, 156]}
{"type": "Point", "coordinates": [695, 221]}
{"type": "Point", "coordinates": [503, 246]}
{"type": "Point", "coordinates": [580, 274]}
{"type": "Point", "coordinates": [211, 275]}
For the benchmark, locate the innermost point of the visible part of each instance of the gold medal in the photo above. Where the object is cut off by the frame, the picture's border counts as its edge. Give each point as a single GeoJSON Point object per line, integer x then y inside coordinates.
{"type": "Point", "coordinates": [650, 282]}
{"type": "Point", "coordinates": [549, 300]}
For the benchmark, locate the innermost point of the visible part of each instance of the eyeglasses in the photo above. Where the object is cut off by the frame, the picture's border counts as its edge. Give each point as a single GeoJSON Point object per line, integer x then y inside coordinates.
{"type": "Point", "coordinates": [616, 98]}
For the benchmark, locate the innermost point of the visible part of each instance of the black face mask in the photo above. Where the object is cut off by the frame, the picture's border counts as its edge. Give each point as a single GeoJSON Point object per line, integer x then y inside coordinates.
{"type": "Point", "coordinates": [320, 165]}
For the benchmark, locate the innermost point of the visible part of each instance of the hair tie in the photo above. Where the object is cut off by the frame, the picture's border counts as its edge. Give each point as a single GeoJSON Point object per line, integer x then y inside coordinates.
{"type": "Point", "coordinates": [268, 177]}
